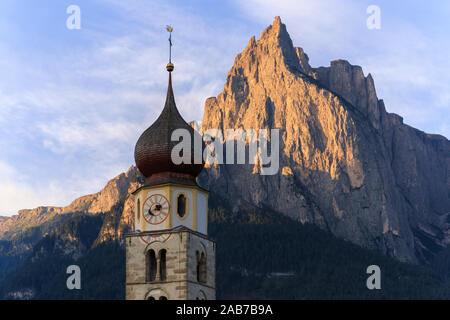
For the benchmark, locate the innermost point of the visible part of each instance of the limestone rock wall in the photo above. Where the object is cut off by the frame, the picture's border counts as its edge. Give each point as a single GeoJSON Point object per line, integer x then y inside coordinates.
{"type": "Point", "coordinates": [346, 164]}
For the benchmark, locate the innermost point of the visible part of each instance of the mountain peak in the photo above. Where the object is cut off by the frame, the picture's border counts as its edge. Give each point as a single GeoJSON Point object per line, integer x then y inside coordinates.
{"type": "Point", "coordinates": [276, 30]}
{"type": "Point", "coordinates": [276, 37]}
{"type": "Point", "coordinates": [340, 145]}
{"type": "Point", "coordinates": [277, 21]}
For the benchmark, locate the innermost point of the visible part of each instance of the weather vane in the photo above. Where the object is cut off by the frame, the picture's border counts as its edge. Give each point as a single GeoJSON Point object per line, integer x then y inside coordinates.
{"type": "Point", "coordinates": [170, 65]}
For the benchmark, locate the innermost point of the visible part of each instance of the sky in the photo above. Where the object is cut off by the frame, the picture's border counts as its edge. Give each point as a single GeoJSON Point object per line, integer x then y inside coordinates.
{"type": "Point", "coordinates": [73, 102]}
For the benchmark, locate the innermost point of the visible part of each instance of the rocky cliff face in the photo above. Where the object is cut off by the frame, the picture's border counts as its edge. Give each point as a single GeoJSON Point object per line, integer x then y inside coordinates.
{"type": "Point", "coordinates": [346, 164]}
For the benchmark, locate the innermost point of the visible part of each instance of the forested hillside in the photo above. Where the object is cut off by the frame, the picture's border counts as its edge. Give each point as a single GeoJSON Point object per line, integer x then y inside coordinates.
{"type": "Point", "coordinates": [260, 255]}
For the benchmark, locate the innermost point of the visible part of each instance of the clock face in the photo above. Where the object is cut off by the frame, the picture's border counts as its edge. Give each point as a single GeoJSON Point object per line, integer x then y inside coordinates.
{"type": "Point", "coordinates": [152, 238]}
{"type": "Point", "coordinates": [156, 209]}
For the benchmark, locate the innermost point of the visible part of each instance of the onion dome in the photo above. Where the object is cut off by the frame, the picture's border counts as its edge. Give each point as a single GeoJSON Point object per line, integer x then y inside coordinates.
{"type": "Point", "coordinates": [154, 147]}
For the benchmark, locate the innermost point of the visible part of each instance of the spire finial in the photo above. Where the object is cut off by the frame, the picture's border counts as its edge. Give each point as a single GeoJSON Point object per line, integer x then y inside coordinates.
{"type": "Point", "coordinates": [170, 65]}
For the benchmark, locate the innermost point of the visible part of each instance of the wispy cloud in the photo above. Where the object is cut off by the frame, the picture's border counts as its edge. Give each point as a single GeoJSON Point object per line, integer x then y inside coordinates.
{"type": "Point", "coordinates": [18, 192]}
{"type": "Point", "coordinates": [70, 127]}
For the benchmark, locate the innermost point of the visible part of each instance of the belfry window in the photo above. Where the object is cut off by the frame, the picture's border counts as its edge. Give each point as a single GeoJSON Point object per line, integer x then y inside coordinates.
{"type": "Point", "coordinates": [201, 267]}
{"type": "Point", "coordinates": [150, 264]}
{"type": "Point", "coordinates": [181, 205]}
{"type": "Point", "coordinates": [162, 264]}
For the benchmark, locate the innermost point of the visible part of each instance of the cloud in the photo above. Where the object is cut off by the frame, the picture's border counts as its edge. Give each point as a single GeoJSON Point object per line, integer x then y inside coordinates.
{"type": "Point", "coordinates": [17, 192]}
{"type": "Point", "coordinates": [20, 192]}
{"type": "Point", "coordinates": [70, 123]}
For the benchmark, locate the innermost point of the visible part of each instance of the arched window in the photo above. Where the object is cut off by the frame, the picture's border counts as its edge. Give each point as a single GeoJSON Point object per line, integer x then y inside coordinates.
{"type": "Point", "coordinates": [197, 254]}
{"type": "Point", "coordinates": [181, 205]}
{"type": "Point", "coordinates": [162, 298]}
{"type": "Point", "coordinates": [150, 298]}
{"type": "Point", "coordinates": [162, 264]}
{"type": "Point", "coordinates": [138, 210]}
{"type": "Point", "coordinates": [201, 267]}
{"type": "Point", "coordinates": [150, 264]}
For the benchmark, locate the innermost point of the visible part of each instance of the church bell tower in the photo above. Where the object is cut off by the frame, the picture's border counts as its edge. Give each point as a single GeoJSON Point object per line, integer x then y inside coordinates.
{"type": "Point", "coordinates": [169, 255]}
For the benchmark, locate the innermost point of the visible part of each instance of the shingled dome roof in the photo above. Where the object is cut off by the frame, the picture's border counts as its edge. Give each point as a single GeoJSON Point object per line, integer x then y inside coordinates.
{"type": "Point", "coordinates": [154, 147]}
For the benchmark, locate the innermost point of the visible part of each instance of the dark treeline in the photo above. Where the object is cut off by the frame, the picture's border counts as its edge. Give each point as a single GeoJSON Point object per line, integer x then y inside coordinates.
{"type": "Point", "coordinates": [260, 255]}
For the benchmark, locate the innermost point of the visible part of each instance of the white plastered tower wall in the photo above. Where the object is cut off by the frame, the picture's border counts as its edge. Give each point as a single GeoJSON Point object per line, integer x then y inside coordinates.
{"type": "Point", "coordinates": [195, 217]}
